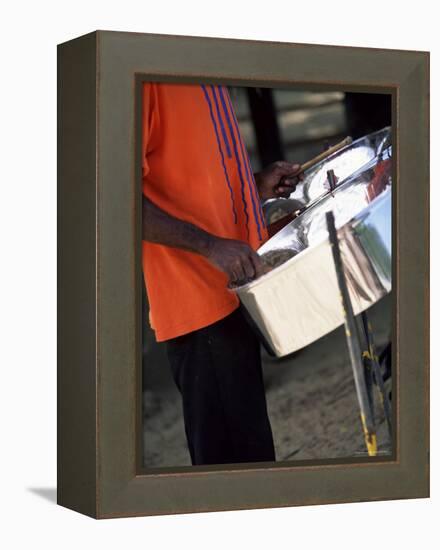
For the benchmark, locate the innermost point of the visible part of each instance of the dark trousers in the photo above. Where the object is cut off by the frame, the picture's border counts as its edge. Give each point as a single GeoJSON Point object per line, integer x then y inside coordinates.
{"type": "Point", "coordinates": [218, 372]}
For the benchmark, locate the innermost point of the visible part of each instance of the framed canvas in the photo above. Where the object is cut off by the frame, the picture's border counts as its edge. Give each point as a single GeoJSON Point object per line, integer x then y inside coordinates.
{"type": "Point", "coordinates": [102, 471]}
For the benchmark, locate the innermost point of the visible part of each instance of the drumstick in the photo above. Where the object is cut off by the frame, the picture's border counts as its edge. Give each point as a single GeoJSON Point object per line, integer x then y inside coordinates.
{"type": "Point", "coordinates": [325, 154]}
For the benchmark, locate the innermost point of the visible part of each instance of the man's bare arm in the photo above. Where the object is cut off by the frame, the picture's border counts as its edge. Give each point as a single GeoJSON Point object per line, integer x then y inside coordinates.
{"type": "Point", "coordinates": [236, 258]}
{"type": "Point", "coordinates": [161, 228]}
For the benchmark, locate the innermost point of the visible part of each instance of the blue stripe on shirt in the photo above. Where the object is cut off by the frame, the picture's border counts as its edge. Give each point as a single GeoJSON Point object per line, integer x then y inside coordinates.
{"type": "Point", "coordinates": [208, 100]}
{"type": "Point", "coordinates": [237, 156]}
{"type": "Point", "coordinates": [222, 125]}
{"type": "Point", "coordinates": [249, 176]}
{"type": "Point", "coordinates": [260, 209]}
{"type": "Point", "coordinates": [249, 170]}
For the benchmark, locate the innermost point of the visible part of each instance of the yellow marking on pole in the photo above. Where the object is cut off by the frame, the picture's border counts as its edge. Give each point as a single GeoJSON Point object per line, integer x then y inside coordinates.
{"type": "Point", "coordinates": [370, 438]}
{"type": "Point", "coordinates": [372, 445]}
{"type": "Point", "coordinates": [370, 355]}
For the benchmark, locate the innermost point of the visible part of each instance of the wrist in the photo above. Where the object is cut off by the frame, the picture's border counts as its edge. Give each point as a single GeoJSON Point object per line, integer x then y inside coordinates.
{"type": "Point", "coordinates": [206, 244]}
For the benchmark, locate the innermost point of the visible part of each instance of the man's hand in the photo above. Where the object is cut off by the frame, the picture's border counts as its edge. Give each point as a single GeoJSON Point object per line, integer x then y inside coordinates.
{"type": "Point", "coordinates": [237, 259]}
{"type": "Point", "coordinates": [278, 180]}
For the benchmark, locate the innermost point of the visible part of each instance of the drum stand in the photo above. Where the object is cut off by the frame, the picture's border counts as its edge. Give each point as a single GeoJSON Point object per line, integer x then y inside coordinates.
{"type": "Point", "coordinates": [365, 364]}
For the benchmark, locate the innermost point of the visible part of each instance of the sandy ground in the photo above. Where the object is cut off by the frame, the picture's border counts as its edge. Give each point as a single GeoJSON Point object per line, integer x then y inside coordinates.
{"type": "Point", "coordinates": [311, 401]}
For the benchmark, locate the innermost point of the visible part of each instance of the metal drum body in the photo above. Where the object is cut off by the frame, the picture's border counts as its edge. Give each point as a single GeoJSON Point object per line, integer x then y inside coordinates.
{"type": "Point", "coordinates": [299, 302]}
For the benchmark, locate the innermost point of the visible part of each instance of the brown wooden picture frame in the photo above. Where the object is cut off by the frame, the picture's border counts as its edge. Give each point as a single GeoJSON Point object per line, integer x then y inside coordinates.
{"type": "Point", "coordinates": [99, 349]}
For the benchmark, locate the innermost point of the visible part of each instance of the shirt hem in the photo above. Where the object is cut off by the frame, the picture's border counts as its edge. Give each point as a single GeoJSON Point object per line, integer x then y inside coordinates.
{"type": "Point", "coordinates": [180, 330]}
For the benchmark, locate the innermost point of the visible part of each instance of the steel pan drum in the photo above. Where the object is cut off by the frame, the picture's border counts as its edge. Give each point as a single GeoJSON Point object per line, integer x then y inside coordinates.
{"type": "Point", "coordinates": [299, 302]}
{"type": "Point", "coordinates": [344, 163]}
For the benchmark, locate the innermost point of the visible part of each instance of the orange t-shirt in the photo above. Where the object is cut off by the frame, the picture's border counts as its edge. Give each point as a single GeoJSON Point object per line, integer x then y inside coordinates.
{"type": "Point", "coordinates": [195, 167]}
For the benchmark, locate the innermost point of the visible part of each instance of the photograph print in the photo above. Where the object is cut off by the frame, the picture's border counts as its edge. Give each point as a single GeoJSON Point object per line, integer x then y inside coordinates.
{"type": "Point", "coordinates": [267, 296]}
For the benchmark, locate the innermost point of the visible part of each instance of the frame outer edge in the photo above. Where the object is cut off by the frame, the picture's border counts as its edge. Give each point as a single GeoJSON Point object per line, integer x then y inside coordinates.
{"type": "Point", "coordinates": [76, 358]}
{"type": "Point", "coordinates": [124, 493]}
{"type": "Point", "coordinates": [414, 276]}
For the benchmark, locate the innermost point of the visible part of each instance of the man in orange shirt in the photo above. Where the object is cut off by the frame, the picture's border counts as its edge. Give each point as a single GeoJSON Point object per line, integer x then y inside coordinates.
{"type": "Point", "coordinates": [202, 222]}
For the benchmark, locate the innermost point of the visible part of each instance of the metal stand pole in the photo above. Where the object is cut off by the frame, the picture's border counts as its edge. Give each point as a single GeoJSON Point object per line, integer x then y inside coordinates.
{"type": "Point", "coordinates": [374, 362]}
{"type": "Point", "coordinates": [353, 343]}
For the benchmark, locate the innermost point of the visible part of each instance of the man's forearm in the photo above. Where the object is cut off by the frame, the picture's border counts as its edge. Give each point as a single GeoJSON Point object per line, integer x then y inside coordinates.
{"type": "Point", "coordinates": [161, 228]}
{"type": "Point", "coordinates": [235, 258]}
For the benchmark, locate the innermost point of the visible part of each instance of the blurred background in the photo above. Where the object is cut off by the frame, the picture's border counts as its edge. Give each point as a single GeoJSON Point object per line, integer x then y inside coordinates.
{"type": "Point", "coordinates": [297, 125]}
{"type": "Point", "coordinates": [311, 396]}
